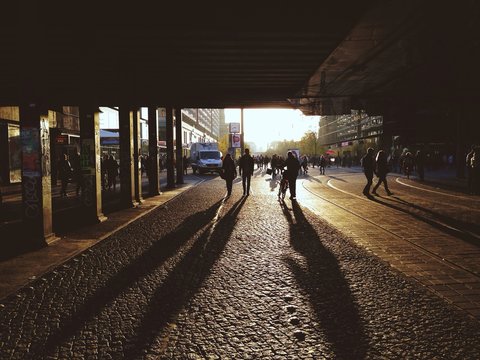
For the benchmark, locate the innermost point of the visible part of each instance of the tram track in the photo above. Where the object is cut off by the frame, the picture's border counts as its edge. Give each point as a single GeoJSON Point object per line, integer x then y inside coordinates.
{"type": "Point", "coordinates": [425, 251]}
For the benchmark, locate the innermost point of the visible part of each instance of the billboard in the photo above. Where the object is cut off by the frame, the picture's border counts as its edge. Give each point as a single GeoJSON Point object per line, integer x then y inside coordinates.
{"type": "Point", "coordinates": [236, 143]}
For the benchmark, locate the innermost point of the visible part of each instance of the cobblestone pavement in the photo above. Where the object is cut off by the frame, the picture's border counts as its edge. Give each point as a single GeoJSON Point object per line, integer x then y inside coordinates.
{"type": "Point", "coordinates": [240, 278]}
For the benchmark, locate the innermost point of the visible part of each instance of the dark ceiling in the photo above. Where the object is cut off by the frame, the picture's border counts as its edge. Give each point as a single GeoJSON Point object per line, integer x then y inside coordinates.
{"type": "Point", "coordinates": [192, 54]}
{"type": "Point", "coordinates": [324, 58]}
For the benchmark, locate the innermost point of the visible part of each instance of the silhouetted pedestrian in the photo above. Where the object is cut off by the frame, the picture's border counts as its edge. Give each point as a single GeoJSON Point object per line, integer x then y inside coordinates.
{"type": "Point", "coordinates": [64, 173]}
{"type": "Point", "coordinates": [468, 164]}
{"type": "Point", "coordinates": [246, 166]}
{"type": "Point", "coordinates": [112, 172]}
{"type": "Point", "coordinates": [77, 171]}
{"type": "Point", "coordinates": [408, 163]}
{"type": "Point", "coordinates": [293, 166]}
{"type": "Point", "coordinates": [381, 171]}
{"type": "Point", "coordinates": [475, 164]}
{"type": "Point", "coordinates": [322, 165]}
{"type": "Point", "coordinates": [229, 172]}
{"type": "Point", "coordinates": [185, 164]}
{"type": "Point", "coordinates": [420, 164]}
{"type": "Point", "coordinates": [368, 164]}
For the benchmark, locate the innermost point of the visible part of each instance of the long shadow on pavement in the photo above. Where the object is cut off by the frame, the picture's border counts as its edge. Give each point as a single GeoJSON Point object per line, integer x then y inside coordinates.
{"type": "Point", "coordinates": [145, 264]}
{"type": "Point", "coordinates": [328, 291]}
{"type": "Point", "coordinates": [447, 225]}
{"type": "Point", "coordinates": [459, 224]}
{"type": "Point", "coordinates": [184, 281]}
{"type": "Point", "coordinates": [273, 183]}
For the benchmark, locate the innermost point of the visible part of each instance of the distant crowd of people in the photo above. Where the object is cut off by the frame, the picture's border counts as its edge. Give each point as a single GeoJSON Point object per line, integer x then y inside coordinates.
{"type": "Point", "coordinates": [289, 166]}
{"type": "Point", "coordinates": [373, 163]}
{"type": "Point", "coordinates": [379, 164]}
{"type": "Point", "coordinates": [407, 163]}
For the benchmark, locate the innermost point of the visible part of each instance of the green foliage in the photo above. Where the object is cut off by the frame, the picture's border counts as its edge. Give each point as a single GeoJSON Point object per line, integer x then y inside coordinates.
{"type": "Point", "coordinates": [223, 142]}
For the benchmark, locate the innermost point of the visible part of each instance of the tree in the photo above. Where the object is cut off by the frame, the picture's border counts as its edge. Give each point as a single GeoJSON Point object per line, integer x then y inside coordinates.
{"type": "Point", "coordinates": [308, 143]}
{"type": "Point", "coordinates": [223, 143]}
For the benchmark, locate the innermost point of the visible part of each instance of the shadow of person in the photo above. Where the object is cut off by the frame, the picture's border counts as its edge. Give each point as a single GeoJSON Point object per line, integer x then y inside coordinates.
{"type": "Point", "coordinates": [326, 287]}
{"type": "Point", "coordinates": [273, 183]}
{"type": "Point", "coordinates": [183, 281]}
{"type": "Point", "coordinates": [109, 289]}
{"type": "Point", "coordinates": [438, 221]}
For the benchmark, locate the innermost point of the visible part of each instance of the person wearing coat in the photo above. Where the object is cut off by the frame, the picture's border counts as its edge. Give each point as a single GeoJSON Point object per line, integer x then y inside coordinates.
{"type": "Point", "coordinates": [368, 164]}
{"type": "Point", "coordinates": [293, 166]}
{"type": "Point", "coordinates": [381, 171]}
{"type": "Point", "coordinates": [229, 172]}
{"type": "Point", "coordinates": [246, 166]}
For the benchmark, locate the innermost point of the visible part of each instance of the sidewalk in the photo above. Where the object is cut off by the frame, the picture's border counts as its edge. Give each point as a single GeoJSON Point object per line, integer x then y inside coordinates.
{"type": "Point", "coordinates": [20, 270]}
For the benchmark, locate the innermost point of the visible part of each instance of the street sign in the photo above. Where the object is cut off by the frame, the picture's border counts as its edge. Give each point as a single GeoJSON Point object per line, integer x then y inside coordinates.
{"type": "Point", "coordinates": [234, 127]}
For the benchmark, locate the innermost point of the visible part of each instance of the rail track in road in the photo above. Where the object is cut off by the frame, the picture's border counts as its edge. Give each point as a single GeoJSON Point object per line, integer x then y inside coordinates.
{"type": "Point", "coordinates": [452, 230]}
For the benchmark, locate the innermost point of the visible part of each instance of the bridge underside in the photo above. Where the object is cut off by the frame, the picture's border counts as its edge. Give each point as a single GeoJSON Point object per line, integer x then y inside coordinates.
{"type": "Point", "coordinates": [324, 58]}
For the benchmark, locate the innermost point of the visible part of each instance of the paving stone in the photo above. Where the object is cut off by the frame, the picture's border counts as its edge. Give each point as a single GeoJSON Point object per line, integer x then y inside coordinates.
{"type": "Point", "coordinates": [173, 285]}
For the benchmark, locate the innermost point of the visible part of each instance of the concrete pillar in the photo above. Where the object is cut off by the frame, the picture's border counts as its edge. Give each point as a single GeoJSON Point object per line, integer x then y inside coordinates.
{"type": "Point", "coordinates": [242, 134]}
{"type": "Point", "coordinates": [90, 159]}
{"type": "Point", "coordinates": [36, 180]}
{"type": "Point", "coordinates": [153, 178]}
{"type": "Point", "coordinates": [178, 135]}
{"type": "Point", "coordinates": [127, 181]}
{"type": "Point", "coordinates": [170, 167]}
{"type": "Point", "coordinates": [137, 168]}
{"type": "Point", "coordinates": [4, 154]}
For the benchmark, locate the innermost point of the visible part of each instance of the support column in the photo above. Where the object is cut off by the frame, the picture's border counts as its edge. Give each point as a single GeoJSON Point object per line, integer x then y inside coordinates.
{"type": "Point", "coordinates": [36, 181]}
{"type": "Point", "coordinates": [170, 167]}
{"type": "Point", "coordinates": [137, 168]}
{"type": "Point", "coordinates": [178, 135]}
{"type": "Point", "coordinates": [127, 181]}
{"type": "Point", "coordinates": [242, 134]}
{"type": "Point", "coordinates": [153, 178]}
{"type": "Point", "coordinates": [91, 164]}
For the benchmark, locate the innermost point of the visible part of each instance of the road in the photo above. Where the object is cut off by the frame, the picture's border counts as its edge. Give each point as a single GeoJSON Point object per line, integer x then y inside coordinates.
{"type": "Point", "coordinates": [208, 277]}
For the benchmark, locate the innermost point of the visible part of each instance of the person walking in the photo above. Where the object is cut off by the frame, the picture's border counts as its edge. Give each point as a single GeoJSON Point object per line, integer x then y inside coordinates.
{"type": "Point", "coordinates": [229, 172]}
{"type": "Point", "coordinates": [368, 164]}
{"type": "Point", "coordinates": [420, 164]}
{"type": "Point", "coordinates": [112, 172]}
{"type": "Point", "coordinates": [322, 165]}
{"type": "Point", "coordinates": [77, 172]}
{"type": "Point", "coordinates": [408, 163]}
{"type": "Point", "coordinates": [245, 167]}
{"type": "Point", "coordinates": [381, 171]}
{"type": "Point", "coordinates": [185, 164]}
{"type": "Point", "coordinates": [468, 163]}
{"type": "Point", "coordinates": [293, 166]}
{"type": "Point", "coordinates": [475, 165]}
{"type": "Point", "coordinates": [64, 174]}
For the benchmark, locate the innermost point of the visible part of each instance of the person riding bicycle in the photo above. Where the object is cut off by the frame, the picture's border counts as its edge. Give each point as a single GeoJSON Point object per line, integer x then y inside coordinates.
{"type": "Point", "coordinates": [283, 183]}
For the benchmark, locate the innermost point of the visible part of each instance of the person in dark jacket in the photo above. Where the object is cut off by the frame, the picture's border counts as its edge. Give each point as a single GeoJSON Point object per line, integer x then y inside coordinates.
{"type": "Point", "coordinates": [229, 172]}
{"type": "Point", "coordinates": [368, 164]}
{"type": "Point", "coordinates": [245, 167]}
{"type": "Point", "coordinates": [64, 173]}
{"type": "Point", "coordinates": [293, 165]}
{"type": "Point", "coordinates": [381, 171]}
{"type": "Point", "coordinates": [77, 176]}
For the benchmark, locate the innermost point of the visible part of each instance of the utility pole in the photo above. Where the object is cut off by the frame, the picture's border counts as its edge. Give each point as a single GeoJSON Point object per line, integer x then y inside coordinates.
{"type": "Point", "coordinates": [242, 134]}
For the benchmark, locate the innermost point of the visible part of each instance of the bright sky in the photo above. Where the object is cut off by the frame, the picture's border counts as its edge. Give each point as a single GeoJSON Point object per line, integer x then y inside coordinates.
{"type": "Point", "coordinates": [263, 126]}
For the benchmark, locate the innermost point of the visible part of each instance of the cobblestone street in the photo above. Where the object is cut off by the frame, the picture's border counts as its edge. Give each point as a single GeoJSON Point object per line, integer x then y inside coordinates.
{"type": "Point", "coordinates": [204, 277]}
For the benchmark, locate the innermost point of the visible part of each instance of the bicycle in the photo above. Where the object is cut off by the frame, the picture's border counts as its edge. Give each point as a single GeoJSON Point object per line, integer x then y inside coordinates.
{"type": "Point", "coordinates": [283, 184]}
